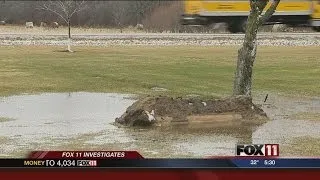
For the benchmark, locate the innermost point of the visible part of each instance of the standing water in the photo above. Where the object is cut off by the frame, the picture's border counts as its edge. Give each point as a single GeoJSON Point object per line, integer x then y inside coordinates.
{"type": "Point", "coordinates": [49, 119]}
{"type": "Point", "coordinates": [83, 121]}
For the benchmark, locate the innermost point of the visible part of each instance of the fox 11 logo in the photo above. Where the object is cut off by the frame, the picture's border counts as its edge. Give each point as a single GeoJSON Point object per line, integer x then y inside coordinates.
{"type": "Point", "coordinates": [257, 150]}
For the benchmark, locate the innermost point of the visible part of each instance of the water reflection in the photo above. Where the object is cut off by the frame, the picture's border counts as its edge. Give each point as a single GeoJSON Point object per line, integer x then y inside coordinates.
{"type": "Point", "coordinates": [52, 118]}
{"type": "Point", "coordinates": [83, 121]}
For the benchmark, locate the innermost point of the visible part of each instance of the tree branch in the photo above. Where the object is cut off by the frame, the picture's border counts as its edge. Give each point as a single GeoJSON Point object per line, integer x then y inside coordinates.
{"type": "Point", "coordinates": [45, 7]}
{"type": "Point", "coordinates": [78, 8]}
{"type": "Point", "coordinates": [269, 12]}
{"type": "Point", "coordinates": [63, 9]}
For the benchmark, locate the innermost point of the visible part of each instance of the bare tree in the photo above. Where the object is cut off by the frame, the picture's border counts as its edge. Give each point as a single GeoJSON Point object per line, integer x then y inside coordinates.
{"type": "Point", "coordinates": [247, 53]}
{"type": "Point", "coordinates": [119, 12]}
{"type": "Point", "coordinates": [141, 8]}
{"type": "Point", "coordinates": [65, 10]}
{"type": "Point", "coordinates": [2, 17]}
{"type": "Point", "coordinates": [95, 13]}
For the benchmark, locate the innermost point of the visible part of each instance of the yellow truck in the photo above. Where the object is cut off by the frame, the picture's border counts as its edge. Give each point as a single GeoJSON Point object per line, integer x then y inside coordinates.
{"type": "Point", "coordinates": [235, 13]}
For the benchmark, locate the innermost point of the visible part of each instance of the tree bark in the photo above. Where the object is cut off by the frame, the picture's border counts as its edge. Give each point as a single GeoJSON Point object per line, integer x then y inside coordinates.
{"type": "Point", "coordinates": [246, 57]}
{"type": "Point", "coordinates": [247, 53]}
{"type": "Point", "coordinates": [69, 29]}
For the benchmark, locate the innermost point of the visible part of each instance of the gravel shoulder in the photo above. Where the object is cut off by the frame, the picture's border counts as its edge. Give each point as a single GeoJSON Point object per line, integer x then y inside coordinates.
{"type": "Point", "coordinates": [159, 39]}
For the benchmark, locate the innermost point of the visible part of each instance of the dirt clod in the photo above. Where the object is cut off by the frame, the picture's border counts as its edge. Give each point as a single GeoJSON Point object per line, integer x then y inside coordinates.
{"type": "Point", "coordinates": [170, 110]}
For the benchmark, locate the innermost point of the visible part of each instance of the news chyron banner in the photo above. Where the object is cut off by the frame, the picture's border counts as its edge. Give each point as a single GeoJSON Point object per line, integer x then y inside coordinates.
{"type": "Point", "coordinates": [246, 156]}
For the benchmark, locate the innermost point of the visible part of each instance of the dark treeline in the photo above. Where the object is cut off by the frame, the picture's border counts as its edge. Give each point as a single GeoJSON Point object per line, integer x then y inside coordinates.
{"type": "Point", "coordinates": [155, 15]}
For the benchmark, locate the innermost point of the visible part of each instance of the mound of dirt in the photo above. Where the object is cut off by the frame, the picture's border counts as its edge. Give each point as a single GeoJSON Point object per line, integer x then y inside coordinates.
{"type": "Point", "coordinates": [167, 110]}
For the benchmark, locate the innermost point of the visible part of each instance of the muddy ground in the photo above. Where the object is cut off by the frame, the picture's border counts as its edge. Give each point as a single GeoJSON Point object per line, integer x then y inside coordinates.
{"type": "Point", "coordinates": [83, 121]}
{"type": "Point", "coordinates": [164, 110]}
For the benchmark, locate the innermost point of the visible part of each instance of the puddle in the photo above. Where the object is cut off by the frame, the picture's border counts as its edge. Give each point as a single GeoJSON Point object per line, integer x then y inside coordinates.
{"type": "Point", "coordinates": [83, 121]}
{"type": "Point", "coordinates": [159, 89]}
{"type": "Point", "coordinates": [51, 118]}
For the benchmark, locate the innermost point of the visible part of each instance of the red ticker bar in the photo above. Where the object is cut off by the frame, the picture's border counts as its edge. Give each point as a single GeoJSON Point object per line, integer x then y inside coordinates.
{"type": "Point", "coordinates": [161, 174]}
{"type": "Point", "coordinates": [85, 155]}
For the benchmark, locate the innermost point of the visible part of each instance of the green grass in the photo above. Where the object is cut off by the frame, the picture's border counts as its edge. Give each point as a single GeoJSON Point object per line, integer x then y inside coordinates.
{"type": "Point", "coordinates": [207, 71]}
{"type": "Point", "coordinates": [302, 146]}
{"type": "Point", "coordinates": [306, 116]}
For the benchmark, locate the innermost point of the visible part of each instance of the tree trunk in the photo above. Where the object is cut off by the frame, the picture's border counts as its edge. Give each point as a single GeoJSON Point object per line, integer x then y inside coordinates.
{"type": "Point", "coordinates": [69, 35]}
{"type": "Point", "coordinates": [120, 27]}
{"type": "Point", "coordinates": [69, 30]}
{"type": "Point", "coordinates": [69, 45]}
{"type": "Point", "coordinates": [246, 57]}
{"type": "Point", "coordinates": [247, 53]}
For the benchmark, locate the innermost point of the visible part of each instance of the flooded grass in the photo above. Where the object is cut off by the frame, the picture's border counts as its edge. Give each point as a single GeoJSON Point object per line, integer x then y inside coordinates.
{"type": "Point", "coordinates": [306, 146]}
{"type": "Point", "coordinates": [6, 119]}
{"type": "Point", "coordinates": [49, 120]}
{"type": "Point", "coordinates": [4, 139]}
{"type": "Point", "coordinates": [83, 121]}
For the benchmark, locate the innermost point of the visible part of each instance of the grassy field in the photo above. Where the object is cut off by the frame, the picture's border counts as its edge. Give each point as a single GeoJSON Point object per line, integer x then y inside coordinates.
{"type": "Point", "coordinates": [306, 116]}
{"type": "Point", "coordinates": [307, 146]}
{"type": "Point", "coordinates": [207, 71]}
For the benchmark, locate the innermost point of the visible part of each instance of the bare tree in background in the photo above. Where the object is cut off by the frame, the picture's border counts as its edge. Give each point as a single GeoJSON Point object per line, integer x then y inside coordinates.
{"type": "Point", "coordinates": [95, 13]}
{"type": "Point", "coordinates": [119, 12]}
{"type": "Point", "coordinates": [141, 8]}
{"type": "Point", "coordinates": [247, 53]}
{"type": "Point", "coordinates": [1, 4]}
{"type": "Point", "coordinates": [65, 10]}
